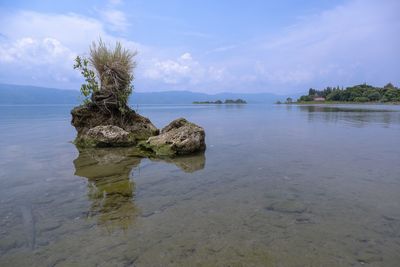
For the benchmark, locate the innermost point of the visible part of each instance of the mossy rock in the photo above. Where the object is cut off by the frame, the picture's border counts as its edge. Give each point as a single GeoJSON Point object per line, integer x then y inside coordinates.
{"type": "Point", "coordinates": [87, 118]}
{"type": "Point", "coordinates": [180, 137]}
{"type": "Point", "coordinates": [105, 136]}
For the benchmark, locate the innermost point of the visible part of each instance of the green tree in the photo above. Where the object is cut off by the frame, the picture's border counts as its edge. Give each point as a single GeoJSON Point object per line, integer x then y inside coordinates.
{"type": "Point", "coordinates": [305, 98]}
{"type": "Point", "coordinates": [388, 86]}
{"type": "Point", "coordinates": [391, 95]}
{"type": "Point", "coordinates": [334, 96]}
{"type": "Point", "coordinates": [361, 99]}
{"type": "Point", "coordinates": [374, 96]}
{"type": "Point", "coordinates": [311, 92]}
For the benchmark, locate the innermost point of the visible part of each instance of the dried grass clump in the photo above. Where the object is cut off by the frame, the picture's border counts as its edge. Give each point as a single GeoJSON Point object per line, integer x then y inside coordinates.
{"type": "Point", "coordinates": [114, 67]}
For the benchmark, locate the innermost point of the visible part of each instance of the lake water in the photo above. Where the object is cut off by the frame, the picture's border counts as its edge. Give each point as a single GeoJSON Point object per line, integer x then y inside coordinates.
{"type": "Point", "coordinates": [277, 186]}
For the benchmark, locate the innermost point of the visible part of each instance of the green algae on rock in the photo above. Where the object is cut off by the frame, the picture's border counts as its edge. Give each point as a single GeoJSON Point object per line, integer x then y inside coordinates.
{"type": "Point", "coordinates": [97, 128]}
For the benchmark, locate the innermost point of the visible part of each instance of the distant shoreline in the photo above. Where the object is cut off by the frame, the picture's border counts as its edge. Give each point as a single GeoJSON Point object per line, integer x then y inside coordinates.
{"type": "Point", "coordinates": [341, 102]}
{"type": "Point", "coordinates": [212, 103]}
{"type": "Point", "coordinates": [219, 102]}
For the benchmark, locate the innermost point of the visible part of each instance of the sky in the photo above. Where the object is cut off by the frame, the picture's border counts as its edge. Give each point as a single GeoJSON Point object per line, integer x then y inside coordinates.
{"type": "Point", "coordinates": [281, 47]}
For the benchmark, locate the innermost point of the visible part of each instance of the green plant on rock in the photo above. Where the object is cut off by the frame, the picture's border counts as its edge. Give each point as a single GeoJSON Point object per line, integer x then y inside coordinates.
{"type": "Point", "coordinates": [108, 74]}
{"type": "Point", "coordinates": [91, 85]}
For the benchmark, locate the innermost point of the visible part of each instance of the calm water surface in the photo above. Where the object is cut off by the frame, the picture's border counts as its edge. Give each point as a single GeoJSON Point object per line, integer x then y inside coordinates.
{"type": "Point", "coordinates": [277, 186]}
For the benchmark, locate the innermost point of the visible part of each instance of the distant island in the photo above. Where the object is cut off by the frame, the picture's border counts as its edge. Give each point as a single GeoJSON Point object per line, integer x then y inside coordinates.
{"type": "Point", "coordinates": [362, 93]}
{"type": "Point", "coordinates": [227, 101]}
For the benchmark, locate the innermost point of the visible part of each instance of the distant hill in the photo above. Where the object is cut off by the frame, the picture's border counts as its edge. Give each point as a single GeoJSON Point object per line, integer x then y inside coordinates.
{"type": "Point", "coordinates": [32, 95]}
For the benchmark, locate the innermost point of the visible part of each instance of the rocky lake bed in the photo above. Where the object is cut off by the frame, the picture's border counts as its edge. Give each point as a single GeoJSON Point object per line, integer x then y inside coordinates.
{"type": "Point", "coordinates": [290, 194]}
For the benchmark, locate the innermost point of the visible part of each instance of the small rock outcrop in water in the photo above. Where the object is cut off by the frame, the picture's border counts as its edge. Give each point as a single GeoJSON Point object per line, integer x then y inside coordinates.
{"type": "Point", "coordinates": [99, 129]}
{"type": "Point", "coordinates": [116, 129]}
{"type": "Point", "coordinates": [180, 137]}
{"type": "Point", "coordinates": [105, 119]}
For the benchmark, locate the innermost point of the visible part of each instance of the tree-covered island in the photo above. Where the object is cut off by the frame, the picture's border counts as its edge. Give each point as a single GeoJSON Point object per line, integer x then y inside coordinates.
{"type": "Point", "coordinates": [227, 101]}
{"type": "Point", "coordinates": [361, 93]}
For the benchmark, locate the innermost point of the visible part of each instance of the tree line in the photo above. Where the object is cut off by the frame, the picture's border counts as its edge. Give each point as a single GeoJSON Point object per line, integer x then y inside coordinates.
{"type": "Point", "coordinates": [357, 93]}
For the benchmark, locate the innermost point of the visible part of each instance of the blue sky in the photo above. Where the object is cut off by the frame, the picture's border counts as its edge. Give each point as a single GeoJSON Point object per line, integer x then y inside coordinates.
{"type": "Point", "coordinates": [208, 46]}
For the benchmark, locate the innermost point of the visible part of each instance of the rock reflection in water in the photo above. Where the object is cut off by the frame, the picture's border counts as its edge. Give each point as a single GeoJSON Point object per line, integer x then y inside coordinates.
{"type": "Point", "coordinates": [189, 163]}
{"type": "Point", "coordinates": [111, 188]}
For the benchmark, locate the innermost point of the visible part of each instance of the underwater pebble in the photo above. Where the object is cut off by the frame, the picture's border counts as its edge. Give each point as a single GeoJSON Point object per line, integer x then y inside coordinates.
{"type": "Point", "coordinates": [148, 214]}
{"type": "Point", "coordinates": [50, 226]}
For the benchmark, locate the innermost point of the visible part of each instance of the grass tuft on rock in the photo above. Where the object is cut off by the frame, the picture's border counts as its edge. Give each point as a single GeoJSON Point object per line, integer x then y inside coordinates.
{"type": "Point", "coordinates": [108, 72]}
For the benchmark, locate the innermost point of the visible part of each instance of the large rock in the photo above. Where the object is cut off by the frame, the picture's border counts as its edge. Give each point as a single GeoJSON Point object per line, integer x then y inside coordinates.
{"type": "Point", "coordinates": [180, 137]}
{"type": "Point", "coordinates": [109, 135]}
{"type": "Point", "coordinates": [89, 116]}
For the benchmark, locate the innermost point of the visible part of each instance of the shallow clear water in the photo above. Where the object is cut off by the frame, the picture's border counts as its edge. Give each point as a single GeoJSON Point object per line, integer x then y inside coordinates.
{"type": "Point", "coordinates": [277, 186]}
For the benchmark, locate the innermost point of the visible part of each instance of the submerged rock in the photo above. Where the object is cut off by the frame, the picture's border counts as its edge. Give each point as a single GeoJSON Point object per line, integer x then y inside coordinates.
{"type": "Point", "coordinates": [130, 127]}
{"type": "Point", "coordinates": [180, 137]}
{"type": "Point", "coordinates": [287, 206]}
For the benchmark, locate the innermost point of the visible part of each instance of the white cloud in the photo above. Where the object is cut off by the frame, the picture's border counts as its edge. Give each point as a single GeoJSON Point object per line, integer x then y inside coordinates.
{"type": "Point", "coordinates": [115, 19]}
{"type": "Point", "coordinates": [72, 30]}
{"type": "Point", "coordinates": [183, 71]}
{"type": "Point", "coordinates": [36, 61]}
{"type": "Point", "coordinates": [39, 48]}
{"type": "Point", "coordinates": [175, 71]}
{"type": "Point", "coordinates": [35, 51]}
{"type": "Point", "coordinates": [186, 56]}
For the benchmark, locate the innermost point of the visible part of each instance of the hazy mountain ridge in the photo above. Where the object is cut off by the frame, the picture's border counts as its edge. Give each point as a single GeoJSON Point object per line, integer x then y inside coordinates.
{"type": "Point", "coordinates": [33, 95]}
